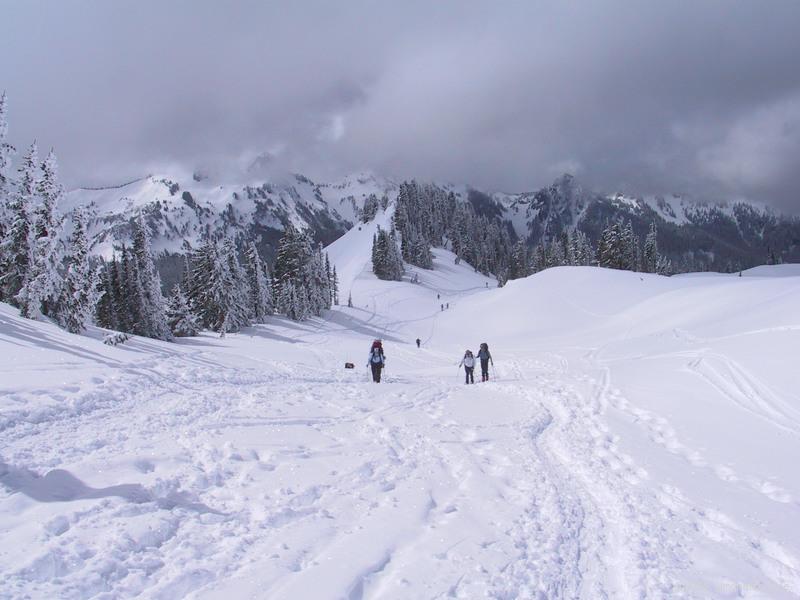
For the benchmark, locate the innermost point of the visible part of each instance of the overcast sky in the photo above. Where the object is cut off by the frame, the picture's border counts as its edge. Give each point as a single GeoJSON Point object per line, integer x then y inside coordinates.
{"type": "Point", "coordinates": [698, 97]}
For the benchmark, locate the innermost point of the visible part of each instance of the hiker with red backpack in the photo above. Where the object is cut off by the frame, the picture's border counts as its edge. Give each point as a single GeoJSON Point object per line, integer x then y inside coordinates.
{"type": "Point", "coordinates": [485, 356]}
{"type": "Point", "coordinates": [376, 361]}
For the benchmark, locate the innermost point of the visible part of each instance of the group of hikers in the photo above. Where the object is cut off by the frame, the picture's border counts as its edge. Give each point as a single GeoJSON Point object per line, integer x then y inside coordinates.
{"type": "Point", "coordinates": [377, 361]}
{"type": "Point", "coordinates": [468, 363]}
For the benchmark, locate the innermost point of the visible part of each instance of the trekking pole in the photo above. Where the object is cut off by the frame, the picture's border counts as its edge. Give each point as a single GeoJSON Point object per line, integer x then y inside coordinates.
{"type": "Point", "coordinates": [494, 373]}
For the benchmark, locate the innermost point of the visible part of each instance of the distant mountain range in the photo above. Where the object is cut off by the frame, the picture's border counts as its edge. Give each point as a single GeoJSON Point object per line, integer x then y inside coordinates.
{"type": "Point", "coordinates": [182, 209]}
{"type": "Point", "coordinates": [695, 235]}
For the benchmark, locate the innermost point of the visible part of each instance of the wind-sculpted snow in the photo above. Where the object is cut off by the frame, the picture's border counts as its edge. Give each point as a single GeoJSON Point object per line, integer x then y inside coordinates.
{"type": "Point", "coordinates": [637, 439]}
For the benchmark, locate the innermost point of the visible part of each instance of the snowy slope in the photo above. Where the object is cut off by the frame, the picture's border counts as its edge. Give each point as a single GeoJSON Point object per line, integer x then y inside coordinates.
{"type": "Point", "coordinates": [638, 441]}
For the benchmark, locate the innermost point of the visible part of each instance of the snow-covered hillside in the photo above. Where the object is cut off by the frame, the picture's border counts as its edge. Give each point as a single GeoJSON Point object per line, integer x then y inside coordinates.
{"type": "Point", "coordinates": [637, 439]}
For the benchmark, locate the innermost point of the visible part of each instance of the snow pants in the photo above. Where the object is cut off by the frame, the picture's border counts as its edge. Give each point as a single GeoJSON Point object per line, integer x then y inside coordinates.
{"type": "Point", "coordinates": [484, 369]}
{"type": "Point", "coordinates": [376, 372]}
{"type": "Point", "coordinates": [469, 373]}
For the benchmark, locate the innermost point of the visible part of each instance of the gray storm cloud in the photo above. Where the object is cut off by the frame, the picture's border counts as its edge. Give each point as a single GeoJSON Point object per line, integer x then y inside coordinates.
{"type": "Point", "coordinates": [694, 97]}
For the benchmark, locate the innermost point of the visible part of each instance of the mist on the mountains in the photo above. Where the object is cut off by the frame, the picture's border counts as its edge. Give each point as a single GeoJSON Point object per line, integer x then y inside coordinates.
{"type": "Point", "coordinates": [699, 98]}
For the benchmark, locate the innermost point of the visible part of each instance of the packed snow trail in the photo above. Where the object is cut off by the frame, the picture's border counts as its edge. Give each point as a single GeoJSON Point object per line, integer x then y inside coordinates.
{"type": "Point", "coordinates": [605, 461]}
{"type": "Point", "coordinates": [336, 485]}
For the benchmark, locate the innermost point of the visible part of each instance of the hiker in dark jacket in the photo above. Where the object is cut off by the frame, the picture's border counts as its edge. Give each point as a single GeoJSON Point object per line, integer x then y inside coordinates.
{"type": "Point", "coordinates": [469, 366]}
{"type": "Point", "coordinates": [376, 360]}
{"type": "Point", "coordinates": [486, 358]}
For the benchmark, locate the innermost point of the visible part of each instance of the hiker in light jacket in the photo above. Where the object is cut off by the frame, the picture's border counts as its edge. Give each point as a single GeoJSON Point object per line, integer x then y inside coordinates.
{"type": "Point", "coordinates": [469, 366]}
{"type": "Point", "coordinates": [376, 360]}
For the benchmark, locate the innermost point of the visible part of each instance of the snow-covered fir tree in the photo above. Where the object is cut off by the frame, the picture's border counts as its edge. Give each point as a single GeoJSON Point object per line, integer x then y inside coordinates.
{"type": "Point", "coordinates": [239, 310]}
{"type": "Point", "coordinates": [17, 249]}
{"type": "Point", "coordinates": [582, 249]}
{"type": "Point", "coordinates": [130, 310]}
{"type": "Point", "coordinates": [180, 318]}
{"type": "Point", "coordinates": [386, 260]}
{"type": "Point", "coordinates": [42, 284]}
{"type": "Point", "coordinates": [518, 266]}
{"type": "Point", "coordinates": [260, 288]}
{"type": "Point", "coordinates": [650, 256]}
{"type": "Point", "coordinates": [218, 288]}
{"type": "Point", "coordinates": [611, 250]}
{"type": "Point", "coordinates": [335, 287]}
{"type": "Point", "coordinates": [630, 246]}
{"type": "Point", "coordinates": [287, 300]}
{"type": "Point", "coordinates": [151, 309]}
{"type": "Point", "coordinates": [106, 314]}
{"type": "Point", "coordinates": [299, 263]}
{"type": "Point", "coordinates": [316, 283]}
{"type": "Point", "coordinates": [80, 290]}
{"type": "Point", "coordinates": [198, 283]}
{"type": "Point", "coordinates": [6, 152]}
{"type": "Point", "coordinates": [294, 251]}
{"type": "Point", "coordinates": [206, 292]}
{"type": "Point", "coordinates": [371, 205]}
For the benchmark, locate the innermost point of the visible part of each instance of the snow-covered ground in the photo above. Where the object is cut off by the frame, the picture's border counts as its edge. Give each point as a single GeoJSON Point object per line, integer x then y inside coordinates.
{"type": "Point", "coordinates": [639, 439]}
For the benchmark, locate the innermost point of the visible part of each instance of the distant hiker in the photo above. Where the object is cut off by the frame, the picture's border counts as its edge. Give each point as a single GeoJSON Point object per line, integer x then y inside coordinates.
{"type": "Point", "coordinates": [418, 342]}
{"type": "Point", "coordinates": [487, 284]}
{"type": "Point", "coordinates": [448, 305]}
{"type": "Point", "coordinates": [438, 297]}
{"type": "Point", "coordinates": [469, 366]}
{"type": "Point", "coordinates": [442, 306]}
{"type": "Point", "coordinates": [376, 360]}
{"type": "Point", "coordinates": [486, 358]}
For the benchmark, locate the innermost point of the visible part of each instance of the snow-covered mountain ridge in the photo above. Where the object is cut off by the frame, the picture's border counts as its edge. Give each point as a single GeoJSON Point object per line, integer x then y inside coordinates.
{"type": "Point", "coordinates": [257, 205]}
{"type": "Point", "coordinates": [185, 208]}
{"type": "Point", "coordinates": [694, 234]}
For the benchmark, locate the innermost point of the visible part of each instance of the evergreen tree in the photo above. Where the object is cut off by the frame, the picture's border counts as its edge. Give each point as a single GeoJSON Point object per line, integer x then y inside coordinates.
{"type": "Point", "coordinates": [238, 309]}
{"type": "Point", "coordinates": [286, 301]}
{"type": "Point", "coordinates": [370, 209]}
{"type": "Point", "coordinates": [612, 252]}
{"type": "Point", "coordinates": [518, 266]}
{"type": "Point", "coordinates": [582, 250]}
{"type": "Point", "coordinates": [17, 249]}
{"type": "Point", "coordinates": [335, 287]}
{"type": "Point", "coordinates": [181, 320]}
{"type": "Point", "coordinates": [260, 292]}
{"type": "Point", "coordinates": [555, 253]}
{"type": "Point", "coordinates": [386, 260]}
{"type": "Point", "coordinates": [6, 152]}
{"type": "Point", "coordinates": [630, 249]}
{"type": "Point", "coordinates": [540, 257]}
{"type": "Point", "coordinates": [79, 293]}
{"type": "Point", "coordinates": [294, 251]}
{"type": "Point", "coordinates": [106, 310]}
{"type": "Point", "coordinates": [153, 320]}
{"type": "Point", "coordinates": [650, 257]}
{"type": "Point", "coordinates": [220, 292]}
{"type": "Point", "coordinates": [42, 285]}
{"type": "Point", "coordinates": [298, 262]}
{"type": "Point", "coordinates": [131, 308]}
{"type": "Point", "coordinates": [199, 283]}
{"type": "Point", "coordinates": [300, 301]}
